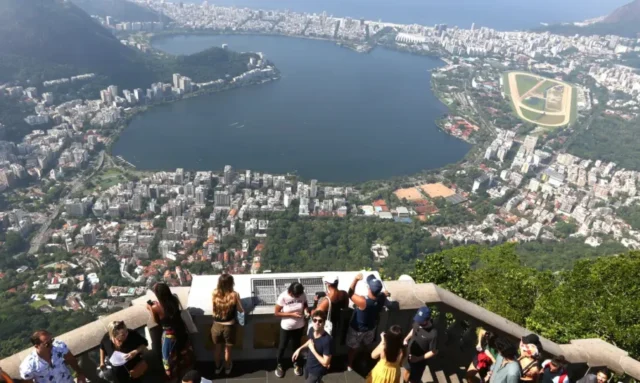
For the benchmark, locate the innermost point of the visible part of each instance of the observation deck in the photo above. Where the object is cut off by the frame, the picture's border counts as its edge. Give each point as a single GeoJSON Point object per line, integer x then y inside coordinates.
{"type": "Point", "coordinates": [254, 353]}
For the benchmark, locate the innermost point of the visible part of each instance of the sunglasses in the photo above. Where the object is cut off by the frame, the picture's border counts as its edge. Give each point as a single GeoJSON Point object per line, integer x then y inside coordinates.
{"type": "Point", "coordinates": [319, 321]}
{"type": "Point", "coordinates": [49, 343]}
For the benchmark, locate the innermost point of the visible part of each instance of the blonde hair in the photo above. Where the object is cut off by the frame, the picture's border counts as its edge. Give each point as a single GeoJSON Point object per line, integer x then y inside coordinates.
{"type": "Point", "coordinates": [116, 327]}
{"type": "Point", "coordinates": [224, 298]}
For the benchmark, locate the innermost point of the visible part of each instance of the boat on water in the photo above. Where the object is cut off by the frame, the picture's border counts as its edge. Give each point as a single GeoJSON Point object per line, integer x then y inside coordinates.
{"type": "Point", "coordinates": [234, 124]}
{"type": "Point", "coordinates": [240, 127]}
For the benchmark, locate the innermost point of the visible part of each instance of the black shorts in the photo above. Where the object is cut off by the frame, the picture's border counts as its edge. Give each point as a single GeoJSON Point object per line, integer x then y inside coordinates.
{"type": "Point", "coordinates": [416, 370]}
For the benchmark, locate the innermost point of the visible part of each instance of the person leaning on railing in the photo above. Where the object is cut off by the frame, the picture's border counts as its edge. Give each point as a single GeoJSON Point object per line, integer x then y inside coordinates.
{"type": "Point", "coordinates": [129, 342]}
{"type": "Point", "coordinates": [362, 329]}
{"type": "Point", "coordinates": [530, 351]}
{"type": "Point", "coordinates": [484, 358]}
{"type": "Point", "coordinates": [49, 360]}
{"type": "Point", "coordinates": [226, 306]}
{"type": "Point", "coordinates": [166, 313]}
{"type": "Point", "coordinates": [332, 297]}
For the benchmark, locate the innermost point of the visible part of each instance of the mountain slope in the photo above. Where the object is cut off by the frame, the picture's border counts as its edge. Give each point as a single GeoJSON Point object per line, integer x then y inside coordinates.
{"type": "Point", "coordinates": [48, 39]}
{"type": "Point", "coordinates": [624, 21]}
{"type": "Point", "coordinates": [629, 13]}
{"type": "Point", "coordinates": [121, 10]}
{"type": "Point", "coordinates": [56, 33]}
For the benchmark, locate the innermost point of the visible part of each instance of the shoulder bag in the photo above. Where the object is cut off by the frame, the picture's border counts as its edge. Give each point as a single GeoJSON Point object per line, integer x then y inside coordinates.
{"type": "Point", "coordinates": [328, 325]}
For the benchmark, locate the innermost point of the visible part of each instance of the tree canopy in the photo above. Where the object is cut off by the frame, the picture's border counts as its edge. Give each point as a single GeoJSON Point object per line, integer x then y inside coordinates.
{"type": "Point", "coordinates": [597, 298]}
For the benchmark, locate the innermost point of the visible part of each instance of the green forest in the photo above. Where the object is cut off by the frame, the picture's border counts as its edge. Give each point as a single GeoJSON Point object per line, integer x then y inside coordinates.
{"type": "Point", "coordinates": [610, 139]}
{"type": "Point", "coordinates": [18, 320]}
{"type": "Point", "coordinates": [305, 244]}
{"type": "Point", "coordinates": [597, 298]}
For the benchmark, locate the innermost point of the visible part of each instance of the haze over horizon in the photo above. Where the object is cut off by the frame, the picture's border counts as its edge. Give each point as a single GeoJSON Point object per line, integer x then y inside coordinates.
{"type": "Point", "coordinates": [498, 14]}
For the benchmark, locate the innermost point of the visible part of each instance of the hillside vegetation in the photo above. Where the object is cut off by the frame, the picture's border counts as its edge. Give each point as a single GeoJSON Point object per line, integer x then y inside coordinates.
{"type": "Point", "coordinates": [49, 39]}
{"type": "Point", "coordinates": [121, 10]}
{"type": "Point", "coordinates": [597, 298]}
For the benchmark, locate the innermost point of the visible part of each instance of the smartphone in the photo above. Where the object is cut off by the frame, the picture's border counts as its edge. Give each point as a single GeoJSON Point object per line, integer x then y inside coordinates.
{"type": "Point", "coordinates": [150, 302]}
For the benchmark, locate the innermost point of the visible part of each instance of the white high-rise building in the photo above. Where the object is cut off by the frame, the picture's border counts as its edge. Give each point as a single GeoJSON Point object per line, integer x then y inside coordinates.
{"type": "Point", "coordinates": [47, 98]}
{"type": "Point", "coordinates": [176, 80]}
{"type": "Point", "coordinates": [314, 189]}
{"type": "Point", "coordinates": [228, 175]}
{"type": "Point", "coordinates": [529, 144]}
{"type": "Point", "coordinates": [189, 190]}
{"type": "Point", "coordinates": [113, 89]}
{"type": "Point", "coordinates": [88, 233]}
{"type": "Point", "coordinates": [200, 195]}
{"type": "Point", "coordinates": [178, 177]}
{"type": "Point", "coordinates": [138, 93]}
{"type": "Point", "coordinates": [222, 198]}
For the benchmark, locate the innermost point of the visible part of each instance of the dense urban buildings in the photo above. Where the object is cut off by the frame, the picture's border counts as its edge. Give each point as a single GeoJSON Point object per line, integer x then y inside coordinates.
{"type": "Point", "coordinates": [86, 231]}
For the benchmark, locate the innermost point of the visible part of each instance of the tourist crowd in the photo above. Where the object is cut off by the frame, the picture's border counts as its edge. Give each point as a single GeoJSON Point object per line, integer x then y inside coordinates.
{"type": "Point", "coordinates": [497, 360]}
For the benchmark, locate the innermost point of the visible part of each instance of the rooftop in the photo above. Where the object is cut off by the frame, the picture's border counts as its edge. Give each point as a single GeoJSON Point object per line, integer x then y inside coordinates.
{"type": "Point", "coordinates": [254, 352]}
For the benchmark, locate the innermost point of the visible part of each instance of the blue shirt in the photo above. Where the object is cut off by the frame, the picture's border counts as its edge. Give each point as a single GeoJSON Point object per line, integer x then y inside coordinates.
{"type": "Point", "coordinates": [365, 320]}
{"type": "Point", "coordinates": [323, 346]}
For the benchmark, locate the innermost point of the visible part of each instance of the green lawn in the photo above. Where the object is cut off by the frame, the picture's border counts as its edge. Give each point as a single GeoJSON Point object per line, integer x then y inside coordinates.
{"type": "Point", "coordinates": [525, 83]}
{"type": "Point", "coordinates": [540, 118]}
{"type": "Point", "coordinates": [533, 116]}
{"type": "Point", "coordinates": [574, 106]}
{"type": "Point", "coordinates": [534, 102]}
{"type": "Point", "coordinates": [505, 84]}
{"type": "Point", "coordinates": [38, 304]}
{"type": "Point", "coordinates": [546, 86]}
{"type": "Point", "coordinates": [551, 120]}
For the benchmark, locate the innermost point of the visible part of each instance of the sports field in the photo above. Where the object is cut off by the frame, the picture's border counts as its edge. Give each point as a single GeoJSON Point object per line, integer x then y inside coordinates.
{"type": "Point", "coordinates": [437, 190]}
{"type": "Point", "coordinates": [411, 194]}
{"type": "Point", "coordinates": [539, 100]}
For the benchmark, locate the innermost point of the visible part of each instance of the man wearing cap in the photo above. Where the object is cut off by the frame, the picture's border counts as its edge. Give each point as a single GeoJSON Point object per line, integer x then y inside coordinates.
{"type": "Point", "coordinates": [422, 342]}
{"type": "Point", "coordinates": [362, 328]}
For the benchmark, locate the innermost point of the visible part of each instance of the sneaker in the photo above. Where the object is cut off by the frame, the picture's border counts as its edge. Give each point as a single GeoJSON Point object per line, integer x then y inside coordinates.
{"type": "Point", "coordinates": [228, 369]}
{"type": "Point", "coordinates": [219, 369]}
{"type": "Point", "coordinates": [297, 370]}
{"type": "Point", "coordinates": [279, 371]}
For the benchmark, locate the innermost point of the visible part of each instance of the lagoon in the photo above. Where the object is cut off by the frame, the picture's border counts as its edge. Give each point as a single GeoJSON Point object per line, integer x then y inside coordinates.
{"type": "Point", "coordinates": [335, 115]}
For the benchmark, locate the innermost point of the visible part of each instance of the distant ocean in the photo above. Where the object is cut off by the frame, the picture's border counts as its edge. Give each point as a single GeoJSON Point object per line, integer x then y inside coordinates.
{"type": "Point", "coordinates": [498, 14]}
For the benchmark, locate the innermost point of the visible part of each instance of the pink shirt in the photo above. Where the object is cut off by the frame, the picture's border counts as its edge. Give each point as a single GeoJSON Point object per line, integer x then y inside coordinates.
{"type": "Point", "coordinates": [290, 304]}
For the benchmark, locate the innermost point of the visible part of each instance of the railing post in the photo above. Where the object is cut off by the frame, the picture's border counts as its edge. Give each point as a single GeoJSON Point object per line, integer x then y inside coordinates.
{"type": "Point", "coordinates": [469, 337]}
{"type": "Point", "coordinates": [89, 368]}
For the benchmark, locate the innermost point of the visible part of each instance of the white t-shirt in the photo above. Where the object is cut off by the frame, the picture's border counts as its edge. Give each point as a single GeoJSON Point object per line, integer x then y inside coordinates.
{"type": "Point", "coordinates": [290, 304]}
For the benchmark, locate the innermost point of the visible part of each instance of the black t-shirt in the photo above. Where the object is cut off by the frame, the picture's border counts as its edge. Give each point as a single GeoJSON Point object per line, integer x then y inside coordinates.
{"type": "Point", "coordinates": [424, 339]}
{"type": "Point", "coordinates": [323, 346]}
{"type": "Point", "coordinates": [133, 341]}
